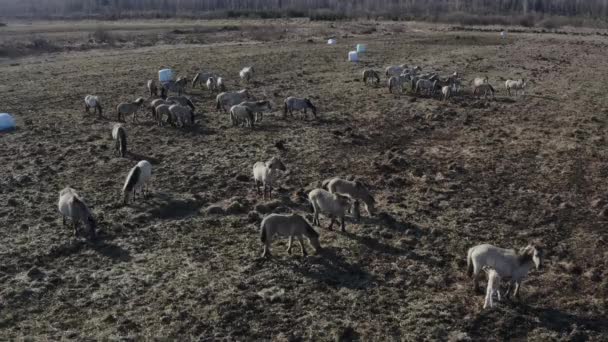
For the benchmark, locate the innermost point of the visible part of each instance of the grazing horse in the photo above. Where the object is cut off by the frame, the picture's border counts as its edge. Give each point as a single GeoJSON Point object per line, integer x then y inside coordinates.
{"type": "Point", "coordinates": [287, 225]}
{"type": "Point", "coordinates": [72, 206]}
{"type": "Point", "coordinates": [508, 263]}
{"type": "Point", "coordinates": [265, 172]}
{"type": "Point", "coordinates": [293, 103]}
{"type": "Point", "coordinates": [136, 180]}
{"type": "Point", "coordinates": [371, 75]}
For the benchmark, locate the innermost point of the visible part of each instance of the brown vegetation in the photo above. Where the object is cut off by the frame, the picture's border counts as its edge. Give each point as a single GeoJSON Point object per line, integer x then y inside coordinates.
{"type": "Point", "coordinates": [478, 12]}
{"type": "Point", "coordinates": [184, 264]}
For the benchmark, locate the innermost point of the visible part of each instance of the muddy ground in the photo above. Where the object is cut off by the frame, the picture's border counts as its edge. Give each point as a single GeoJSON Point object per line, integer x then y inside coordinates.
{"type": "Point", "coordinates": [446, 176]}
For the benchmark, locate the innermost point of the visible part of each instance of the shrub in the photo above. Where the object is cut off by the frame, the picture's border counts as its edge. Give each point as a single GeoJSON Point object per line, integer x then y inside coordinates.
{"type": "Point", "coordinates": [266, 33]}
{"type": "Point", "coordinates": [295, 14]}
{"type": "Point", "coordinates": [557, 22]}
{"type": "Point", "coordinates": [230, 28]}
{"type": "Point", "coordinates": [42, 44]}
{"type": "Point", "coordinates": [327, 15]}
{"type": "Point", "coordinates": [549, 23]}
{"type": "Point", "coordinates": [472, 19]}
{"type": "Point", "coordinates": [102, 35]}
{"type": "Point", "coordinates": [526, 21]}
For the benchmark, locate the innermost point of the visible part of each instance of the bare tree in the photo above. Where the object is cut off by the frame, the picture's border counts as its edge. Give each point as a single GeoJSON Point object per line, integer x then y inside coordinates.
{"type": "Point", "coordinates": [597, 9]}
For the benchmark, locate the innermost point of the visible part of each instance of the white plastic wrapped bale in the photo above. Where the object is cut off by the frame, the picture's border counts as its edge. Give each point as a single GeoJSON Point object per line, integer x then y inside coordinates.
{"type": "Point", "coordinates": [361, 48]}
{"type": "Point", "coordinates": [7, 122]}
{"type": "Point", "coordinates": [353, 56]}
{"type": "Point", "coordinates": [332, 41]}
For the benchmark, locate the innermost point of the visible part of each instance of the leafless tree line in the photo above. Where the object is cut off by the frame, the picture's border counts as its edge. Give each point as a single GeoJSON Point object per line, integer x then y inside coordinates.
{"type": "Point", "coordinates": [348, 8]}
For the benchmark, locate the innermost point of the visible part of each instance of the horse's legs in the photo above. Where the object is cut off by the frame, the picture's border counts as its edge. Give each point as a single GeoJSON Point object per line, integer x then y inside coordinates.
{"type": "Point", "coordinates": [516, 292]}
{"type": "Point", "coordinates": [342, 224]}
{"type": "Point", "coordinates": [257, 187]}
{"type": "Point", "coordinates": [331, 224]}
{"type": "Point", "coordinates": [508, 292]}
{"type": "Point", "coordinates": [289, 244]}
{"type": "Point", "coordinates": [304, 253]}
{"type": "Point", "coordinates": [266, 253]}
{"type": "Point", "coordinates": [315, 219]}
{"type": "Point", "coordinates": [476, 282]}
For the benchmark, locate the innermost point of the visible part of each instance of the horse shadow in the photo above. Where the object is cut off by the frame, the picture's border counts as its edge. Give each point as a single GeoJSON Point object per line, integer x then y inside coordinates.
{"type": "Point", "coordinates": [504, 99]}
{"type": "Point", "coordinates": [374, 244]}
{"type": "Point", "coordinates": [516, 319]}
{"type": "Point", "coordinates": [557, 320]}
{"type": "Point", "coordinates": [75, 246]}
{"type": "Point", "coordinates": [385, 219]}
{"type": "Point", "coordinates": [326, 120]}
{"type": "Point", "coordinates": [331, 268]}
{"type": "Point", "coordinates": [199, 129]}
{"type": "Point", "coordinates": [269, 126]}
{"type": "Point", "coordinates": [137, 157]}
{"type": "Point", "coordinates": [110, 250]}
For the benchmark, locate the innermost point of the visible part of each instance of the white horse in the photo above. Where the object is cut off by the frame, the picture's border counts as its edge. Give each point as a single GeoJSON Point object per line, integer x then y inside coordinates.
{"type": "Point", "coordinates": [507, 262]}
{"type": "Point", "coordinates": [518, 85]}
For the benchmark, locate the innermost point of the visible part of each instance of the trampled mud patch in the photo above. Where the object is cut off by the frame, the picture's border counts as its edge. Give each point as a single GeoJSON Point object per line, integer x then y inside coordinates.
{"type": "Point", "coordinates": [167, 207]}
{"type": "Point", "coordinates": [184, 263]}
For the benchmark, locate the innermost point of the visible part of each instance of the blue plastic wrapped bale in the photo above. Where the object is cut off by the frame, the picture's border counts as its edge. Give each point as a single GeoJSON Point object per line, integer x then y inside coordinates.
{"type": "Point", "coordinates": [353, 57]}
{"type": "Point", "coordinates": [7, 122]}
{"type": "Point", "coordinates": [165, 75]}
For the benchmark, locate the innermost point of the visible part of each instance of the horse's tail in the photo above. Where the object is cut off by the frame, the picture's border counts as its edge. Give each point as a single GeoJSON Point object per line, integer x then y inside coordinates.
{"type": "Point", "coordinates": [325, 183]}
{"type": "Point", "coordinates": [195, 79]}
{"type": "Point", "coordinates": [469, 263]}
{"type": "Point", "coordinates": [251, 117]}
{"type": "Point", "coordinates": [263, 236]}
{"type": "Point", "coordinates": [122, 140]}
{"type": "Point", "coordinates": [190, 104]}
{"type": "Point", "coordinates": [310, 231]}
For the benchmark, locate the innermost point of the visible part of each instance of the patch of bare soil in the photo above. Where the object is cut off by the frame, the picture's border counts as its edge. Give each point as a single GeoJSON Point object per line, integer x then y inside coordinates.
{"type": "Point", "coordinates": [185, 263]}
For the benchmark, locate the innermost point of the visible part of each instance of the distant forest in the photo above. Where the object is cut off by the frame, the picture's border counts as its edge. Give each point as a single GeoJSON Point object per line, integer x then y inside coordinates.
{"type": "Point", "coordinates": [315, 9]}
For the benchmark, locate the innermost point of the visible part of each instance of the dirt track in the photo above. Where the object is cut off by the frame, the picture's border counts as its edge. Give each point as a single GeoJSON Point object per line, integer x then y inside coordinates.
{"type": "Point", "coordinates": [446, 176]}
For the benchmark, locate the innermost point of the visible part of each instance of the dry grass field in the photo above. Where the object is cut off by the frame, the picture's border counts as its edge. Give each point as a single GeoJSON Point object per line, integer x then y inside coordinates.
{"type": "Point", "coordinates": [446, 176]}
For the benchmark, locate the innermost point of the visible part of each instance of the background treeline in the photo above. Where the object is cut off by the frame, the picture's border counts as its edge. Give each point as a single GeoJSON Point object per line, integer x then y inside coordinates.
{"type": "Point", "coordinates": [438, 10]}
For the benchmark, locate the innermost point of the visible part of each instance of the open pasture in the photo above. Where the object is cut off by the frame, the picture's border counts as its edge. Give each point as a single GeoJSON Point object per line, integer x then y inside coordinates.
{"type": "Point", "coordinates": [445, 175]}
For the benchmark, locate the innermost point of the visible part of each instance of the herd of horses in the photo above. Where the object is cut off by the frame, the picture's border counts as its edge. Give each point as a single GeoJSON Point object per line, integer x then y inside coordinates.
{"type": "Point", "coordinates": [336, 197]}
